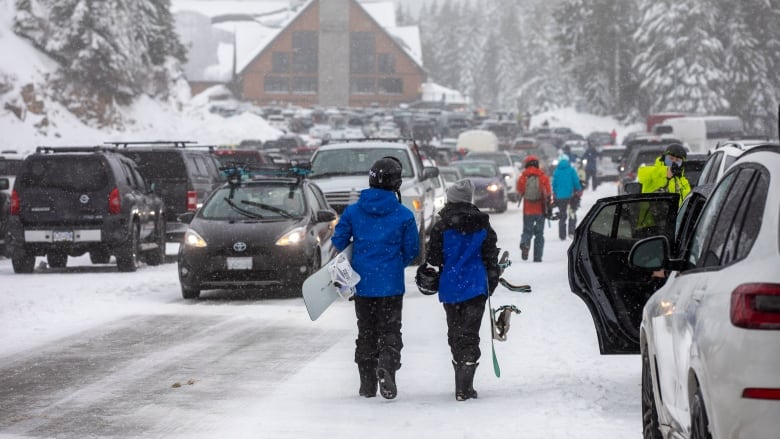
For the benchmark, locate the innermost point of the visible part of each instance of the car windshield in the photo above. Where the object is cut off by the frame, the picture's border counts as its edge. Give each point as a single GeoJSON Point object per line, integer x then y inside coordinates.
{"type": "Point", "coordinates": [498, 159]}
{"type": "Point", "coordinates": [450, 176]}
{"type": "Point", "coordinates": [355, 161]}
{"type": "Point", "coordinates": [477, 169]}
{"type": "Point", "coordinates": [267, 201]}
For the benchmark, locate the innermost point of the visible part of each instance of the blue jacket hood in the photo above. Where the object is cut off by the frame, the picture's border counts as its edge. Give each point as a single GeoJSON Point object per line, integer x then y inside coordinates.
{"type": "Point", "coordinates": [377, 202]}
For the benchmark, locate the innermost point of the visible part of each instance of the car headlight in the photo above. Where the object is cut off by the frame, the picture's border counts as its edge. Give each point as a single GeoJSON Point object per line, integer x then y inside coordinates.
{"type": "Point", "coordinates": [193, 239]}
{"type": "Point", "coordinates": [492, 187]}
{"type": "Point", "coordinates": [293, 237]}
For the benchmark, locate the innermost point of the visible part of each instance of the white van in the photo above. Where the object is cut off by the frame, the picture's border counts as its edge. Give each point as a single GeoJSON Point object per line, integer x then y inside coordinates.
{"type": "Point", "coordinates": [702, 133]}
{"type": "Point", "coordinates": [478, 141]}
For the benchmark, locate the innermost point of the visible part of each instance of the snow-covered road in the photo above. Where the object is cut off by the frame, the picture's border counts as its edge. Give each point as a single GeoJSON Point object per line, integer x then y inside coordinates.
{"type": "Point", "coordinates": [90, 352]}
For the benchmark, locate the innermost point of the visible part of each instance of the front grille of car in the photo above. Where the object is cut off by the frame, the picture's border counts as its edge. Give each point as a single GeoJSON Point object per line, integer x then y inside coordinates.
{"type": "Point", "coordinates": [340, 200]}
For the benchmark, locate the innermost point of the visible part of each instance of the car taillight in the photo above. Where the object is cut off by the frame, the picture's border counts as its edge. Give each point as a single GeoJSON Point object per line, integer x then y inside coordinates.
{"type": "Point", "coordinates": [114, 202]}
{"type": "Point", "coordinates": [15, 206]}
{"type": "Point", "coordinates": [756, 306]}
{"type": "Point", "coordinates": [192, 201]}
{"type": "Point", "coordinates": [758, 393]}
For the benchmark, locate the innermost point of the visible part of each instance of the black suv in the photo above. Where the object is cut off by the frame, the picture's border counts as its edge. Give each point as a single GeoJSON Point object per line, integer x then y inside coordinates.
{"type": "Point", "coordinates": [183, 174]}
{"type": "Point", "coordinates": [68, 201]}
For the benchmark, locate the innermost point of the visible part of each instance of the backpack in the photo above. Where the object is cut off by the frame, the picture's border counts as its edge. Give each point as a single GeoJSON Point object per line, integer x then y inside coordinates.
{"type": "Point", "coordinates": [532, 190]}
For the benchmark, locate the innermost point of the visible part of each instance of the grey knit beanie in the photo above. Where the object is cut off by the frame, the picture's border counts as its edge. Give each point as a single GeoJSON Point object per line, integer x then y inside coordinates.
{"type": "Point", "coordinates": [461, 191]}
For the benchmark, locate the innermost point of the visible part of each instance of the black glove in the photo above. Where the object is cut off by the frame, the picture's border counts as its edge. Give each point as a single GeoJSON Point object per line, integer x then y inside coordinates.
{"type": "Point", "coordinates": [676, 170]}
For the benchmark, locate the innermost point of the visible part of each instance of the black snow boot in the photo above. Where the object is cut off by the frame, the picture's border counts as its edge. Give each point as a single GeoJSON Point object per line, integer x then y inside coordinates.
{"type": "Point", "coordinates": [386, 378]}
{"type": "Point", "coordinates": [367, 370]}
{"type": "Point", "coordinates": [464, 380]}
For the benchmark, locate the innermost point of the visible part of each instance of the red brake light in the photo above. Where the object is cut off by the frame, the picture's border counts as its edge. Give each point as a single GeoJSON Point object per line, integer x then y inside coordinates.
{"type": "Point", "coordinates": [755, 393]}
{"type": "Point", "coordinates": [192, 201]}
{"type": "Point", "coordinates": [756, 306]}
{"type": "Point", "coordinates": [15, 206]}
{"type": "Point", "coordinates": [114, 202]}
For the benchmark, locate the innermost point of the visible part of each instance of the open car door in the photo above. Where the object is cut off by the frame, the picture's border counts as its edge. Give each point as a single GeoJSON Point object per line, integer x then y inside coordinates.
{"type": "Point", "coordinates": [599, 273]}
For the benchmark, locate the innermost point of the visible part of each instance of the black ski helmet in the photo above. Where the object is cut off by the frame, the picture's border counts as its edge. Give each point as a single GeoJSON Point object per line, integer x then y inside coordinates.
{"type": "Point", "coordinates": [427, 279]}
{"type": "Point", "coordinates": [677, 150]}
{"type": "Point", "coordinates": [385, 173]}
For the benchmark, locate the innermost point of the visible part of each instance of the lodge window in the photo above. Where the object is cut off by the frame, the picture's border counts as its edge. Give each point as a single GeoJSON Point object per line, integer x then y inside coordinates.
{"type": "Point", "coordinates": [276, 84]}
{"type": "Point", "coordinates": [362, 86]}
{"type": "Point", "coordinates": [304, 85]}
{"type": "Point", "coordinates": [386, 63]}
{"type": "Point", "coordinates": [304, 56]}
{"type": "Point", "coordinates": [280, 62]}
{"type": "Point", "coordinates": [362, 58]}
{"type": "Point", "coordinates": [392, 86]}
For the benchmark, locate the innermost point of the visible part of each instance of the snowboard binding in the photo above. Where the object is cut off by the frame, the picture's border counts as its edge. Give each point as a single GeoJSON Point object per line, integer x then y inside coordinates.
{"type": "Point", "coordinates": [343, 276]}
{"type": "Point", "coordinates": [501, 317]}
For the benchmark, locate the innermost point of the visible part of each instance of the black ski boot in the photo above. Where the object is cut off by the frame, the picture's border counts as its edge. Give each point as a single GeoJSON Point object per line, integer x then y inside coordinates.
{"type": "Point", "coordinates": [464, 380]}
{"type": "Point", "coordinates": [368, 382]}
{"type": "Point", "coordinates": [386, 378]}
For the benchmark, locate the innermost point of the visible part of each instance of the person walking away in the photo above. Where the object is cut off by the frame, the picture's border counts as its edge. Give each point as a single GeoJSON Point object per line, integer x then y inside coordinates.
{"type": "Point", "coordinates": [566, 195]}
{"type": "Point", "coordinates": [463, 246]}
{"type": "Point", "coordinates": [384, 237]}
{"type": "Point", "coordinates": [590, 157]}
{"type": "Point", "coordinates": [533, 187]}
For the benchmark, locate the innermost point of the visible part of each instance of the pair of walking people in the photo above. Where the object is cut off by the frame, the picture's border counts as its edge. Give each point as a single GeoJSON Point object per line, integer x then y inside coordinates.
{"type": "Point", "coordinates": [385, 240]}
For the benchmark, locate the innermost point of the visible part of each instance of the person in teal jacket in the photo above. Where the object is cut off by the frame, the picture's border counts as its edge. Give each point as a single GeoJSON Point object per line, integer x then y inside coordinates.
{"type": "Point", "coordinates": [384, 238]}
{"type": "Point", "coordinates": [566, 193]}
{"type": "Point", "coordinates": [463, 248]}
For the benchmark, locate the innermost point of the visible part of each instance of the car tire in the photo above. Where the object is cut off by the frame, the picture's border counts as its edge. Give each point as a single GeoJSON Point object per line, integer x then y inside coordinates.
{"type": "Point", "coordinates": [99, 256]}
{"type": "Point", "coordinates": [127, 256]}
{"type": "Point", "coordinates": [650, 428]}
{"type": "Point", "coordinates": [57, 259]}
{"type": "Point", "coordinates": [502, 208]}
{"type": "Point", "coordinates": [189, 292]}
{"type": "Point", "coordinates": [22, 262]}
{"type": "Point", "coordinates": [156, 256]}
{"type": "Point", "coordinates": [700, 424]}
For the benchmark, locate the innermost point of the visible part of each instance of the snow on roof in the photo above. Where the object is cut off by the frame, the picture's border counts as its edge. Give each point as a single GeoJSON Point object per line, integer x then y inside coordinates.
{"type": "Point", "coordinates": [382, 12]}
{"type": "Point", "coordinates": [408, 37]}
{"type": "Point", "coordinates": [211, 8]}
{"type": "Point", "coordinates": [432, 92]}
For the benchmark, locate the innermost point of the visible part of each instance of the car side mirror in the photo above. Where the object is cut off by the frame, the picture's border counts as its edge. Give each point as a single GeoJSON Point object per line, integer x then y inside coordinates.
{"type": "Point", "coordinates": [4, 183]}
{"type": "Point", "coordinates": [325, 216]}
{"type": "Point", "coordinates": [185, 217]}
{"type": "Point", "coordinates": [430, 172]}
{"type": "Point", "coordinates": [633, 187]}
{"type": "Point", "coordinates": [650, 253]}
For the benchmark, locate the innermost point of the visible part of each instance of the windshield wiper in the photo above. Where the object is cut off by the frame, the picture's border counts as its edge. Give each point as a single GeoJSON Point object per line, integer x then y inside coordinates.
{"type": "Point", "coordinates": [274, 209]}
{"type": "Point", "coordinates": [334, 174]}
{"type": "Point", "coordinates": [244, 212]}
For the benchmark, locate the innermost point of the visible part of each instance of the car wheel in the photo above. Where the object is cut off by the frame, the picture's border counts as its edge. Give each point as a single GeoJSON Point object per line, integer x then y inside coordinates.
{"type": "Point", "coordinates": [502, 208]}
{"type": "Point", "coordinates": [650, 428]}
{"type": "Point", "coordinates": [189, 292]}
{"type": "Point", "coordinates": [99, 256]}
{"type": "Point", "coordinates": [156, 256]}
{"type": "Point", "coordinates": [127, 256]}
{"type": "Point", "coordinates": [57, 260]}
{"type": "Point", "coordinates": [22, 262]}
{"type": "Point", "coordinates": [700, 424]}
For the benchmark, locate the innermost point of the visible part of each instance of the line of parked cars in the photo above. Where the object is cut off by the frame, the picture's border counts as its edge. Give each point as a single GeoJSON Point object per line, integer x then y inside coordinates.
{"type": "Point", "coordinates": [694, 291]}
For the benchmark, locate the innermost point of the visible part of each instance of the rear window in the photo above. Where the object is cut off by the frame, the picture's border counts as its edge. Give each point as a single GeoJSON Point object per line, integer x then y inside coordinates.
{"type": "Point", "coordinates": [646, 158]}
{"type": "Point", "coordinates": [499, 159]}
{"type": "Point", "coordinates": [69, 173]}
{"type": "Point", "coordinates": [158, 165]}
{"type": "Point", "coordinates": [10, 167]}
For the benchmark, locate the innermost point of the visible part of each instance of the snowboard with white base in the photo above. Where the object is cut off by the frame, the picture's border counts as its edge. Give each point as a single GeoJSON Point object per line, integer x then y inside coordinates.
{"type": "Point", "coordinates": [322, 288]}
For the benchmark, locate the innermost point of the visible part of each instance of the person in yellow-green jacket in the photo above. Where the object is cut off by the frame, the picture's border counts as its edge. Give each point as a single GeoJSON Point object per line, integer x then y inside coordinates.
{"type": "Point", "coordinates": [667, 174]}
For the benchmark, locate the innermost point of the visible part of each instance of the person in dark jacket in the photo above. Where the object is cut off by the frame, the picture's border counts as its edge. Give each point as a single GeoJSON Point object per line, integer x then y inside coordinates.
{"type": "Point", "coordinates": [591, 157]}
{"type": "Point", "coordinates": [463, 247]}
{"type": "Point", "coordinates": [566, 194]}
{"type": "Point", "coordinates": [384, 240]}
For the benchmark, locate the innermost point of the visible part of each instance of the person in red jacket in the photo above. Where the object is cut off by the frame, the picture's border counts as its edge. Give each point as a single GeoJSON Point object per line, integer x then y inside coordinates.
{"type": "Point", "coordinates": [534, 188]}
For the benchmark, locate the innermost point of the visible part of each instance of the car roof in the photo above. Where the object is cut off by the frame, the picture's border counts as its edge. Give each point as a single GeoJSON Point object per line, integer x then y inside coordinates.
{"type": "Point", "coordinates": [376, 144]}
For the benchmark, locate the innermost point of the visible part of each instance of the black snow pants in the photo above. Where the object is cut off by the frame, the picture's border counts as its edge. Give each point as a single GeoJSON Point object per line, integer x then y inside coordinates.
{"type": "Point", "coordinates": [463, 322]}
{"type": "Point", "coordinates": [379, 331]}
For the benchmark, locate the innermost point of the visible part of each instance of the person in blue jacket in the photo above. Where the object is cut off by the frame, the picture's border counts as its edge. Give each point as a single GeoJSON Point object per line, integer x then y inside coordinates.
{"type": "Point", "coordinates": [384, 238]}
{"type": "Point", "coordinates": [463, 247]}
{"type": "Point", "coordinates": [567, 191]}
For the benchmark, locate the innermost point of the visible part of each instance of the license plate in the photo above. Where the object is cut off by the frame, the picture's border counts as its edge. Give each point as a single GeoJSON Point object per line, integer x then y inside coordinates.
{"type": "Point", "coordinates": [239, 263]}
{"type": "Point", "coordinates": [60, 236]}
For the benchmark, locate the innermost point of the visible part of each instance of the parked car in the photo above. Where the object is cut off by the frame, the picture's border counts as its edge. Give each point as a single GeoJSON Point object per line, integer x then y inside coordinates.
{"type": "Point", "coordinates": [341, 171]}
{"type": "Point", "coordinates": [68, 201]}
{"type": "Point", "coordinates": [608, 167]}
{"type": "Point", "coordinates": [638, 157]}
{"type": "Point", "coordinates": [5, 212]}
{"type": "Point", "coordinates": [708, 329]}
{"type": "Point", "coordinates": [10, 163]}
{"type": "Point", "coordinates": [262, 231]}
{"type": "Point", "coordinates": [490, 191]}
{"type": "Point", "coordinates": [450, 174]}
{"type": "Point", "coordinates": [723, 156]}
{"type": "Point", "coordinates": [246, 157]}
{"type": "Point", "coordinates": [183, 174]}
{"type": "Point", "coordinates": [694, 164]}
{"type": "Point", "coordinates": [509, 169]}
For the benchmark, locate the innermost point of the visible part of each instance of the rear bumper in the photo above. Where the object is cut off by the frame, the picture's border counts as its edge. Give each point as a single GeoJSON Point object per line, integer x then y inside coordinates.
{"type": "Point", "coordinates": [73, 239]}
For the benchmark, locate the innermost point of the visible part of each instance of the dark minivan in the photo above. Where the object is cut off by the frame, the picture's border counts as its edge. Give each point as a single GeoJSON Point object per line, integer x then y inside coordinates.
{"type": "Point", "coordinates": [183, 174]}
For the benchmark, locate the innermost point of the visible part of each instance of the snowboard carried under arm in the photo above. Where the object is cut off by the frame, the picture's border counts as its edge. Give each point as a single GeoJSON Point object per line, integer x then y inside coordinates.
{"type": "Point", "coordinates": [331, 282]}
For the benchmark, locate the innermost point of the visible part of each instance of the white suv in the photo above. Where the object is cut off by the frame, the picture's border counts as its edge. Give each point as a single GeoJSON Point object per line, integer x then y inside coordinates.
{"type": "Point", "coordinates": [722, 157]}
{"type": "Point", "coordinates": [341, 171]}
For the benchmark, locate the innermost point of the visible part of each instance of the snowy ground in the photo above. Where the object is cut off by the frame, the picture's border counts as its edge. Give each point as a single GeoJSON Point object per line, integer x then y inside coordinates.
{"type": "Point", "coordinates": [554, 383]}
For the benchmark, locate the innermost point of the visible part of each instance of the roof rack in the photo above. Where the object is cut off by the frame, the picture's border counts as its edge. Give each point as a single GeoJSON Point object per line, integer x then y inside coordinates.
{"type": "Point", "coordinates": [237, 172]}
{"type": "Point", "coordinates": [53, 149]}
{"type": "Point", "coordinates": [174, 143]}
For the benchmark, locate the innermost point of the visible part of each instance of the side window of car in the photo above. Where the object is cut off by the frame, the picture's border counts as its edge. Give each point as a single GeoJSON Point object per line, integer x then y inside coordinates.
{"type": "Point", "coordinates": [321, 203]}
{"type": "Point", "coordinates": [710, 171]}
{"type": "Point", "coordinates": [127, 174]}
{"type": "Point", "coordinates": [709, 216]}
{"type": "Point", "coordinates": [723, 243]}
{"type": "Point", "coordinates": [754, 211]}
{"type": "Point", "coordinates": [143, 185]}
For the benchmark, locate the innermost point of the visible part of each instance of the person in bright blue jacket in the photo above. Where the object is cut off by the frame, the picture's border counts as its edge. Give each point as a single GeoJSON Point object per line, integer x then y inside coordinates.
{"type": "Point", "coordinates": [567, 191]}
{"type": "Point", "coordinates": [463, 248]}
{"type": "Point", "coordinates": [384, 238]}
